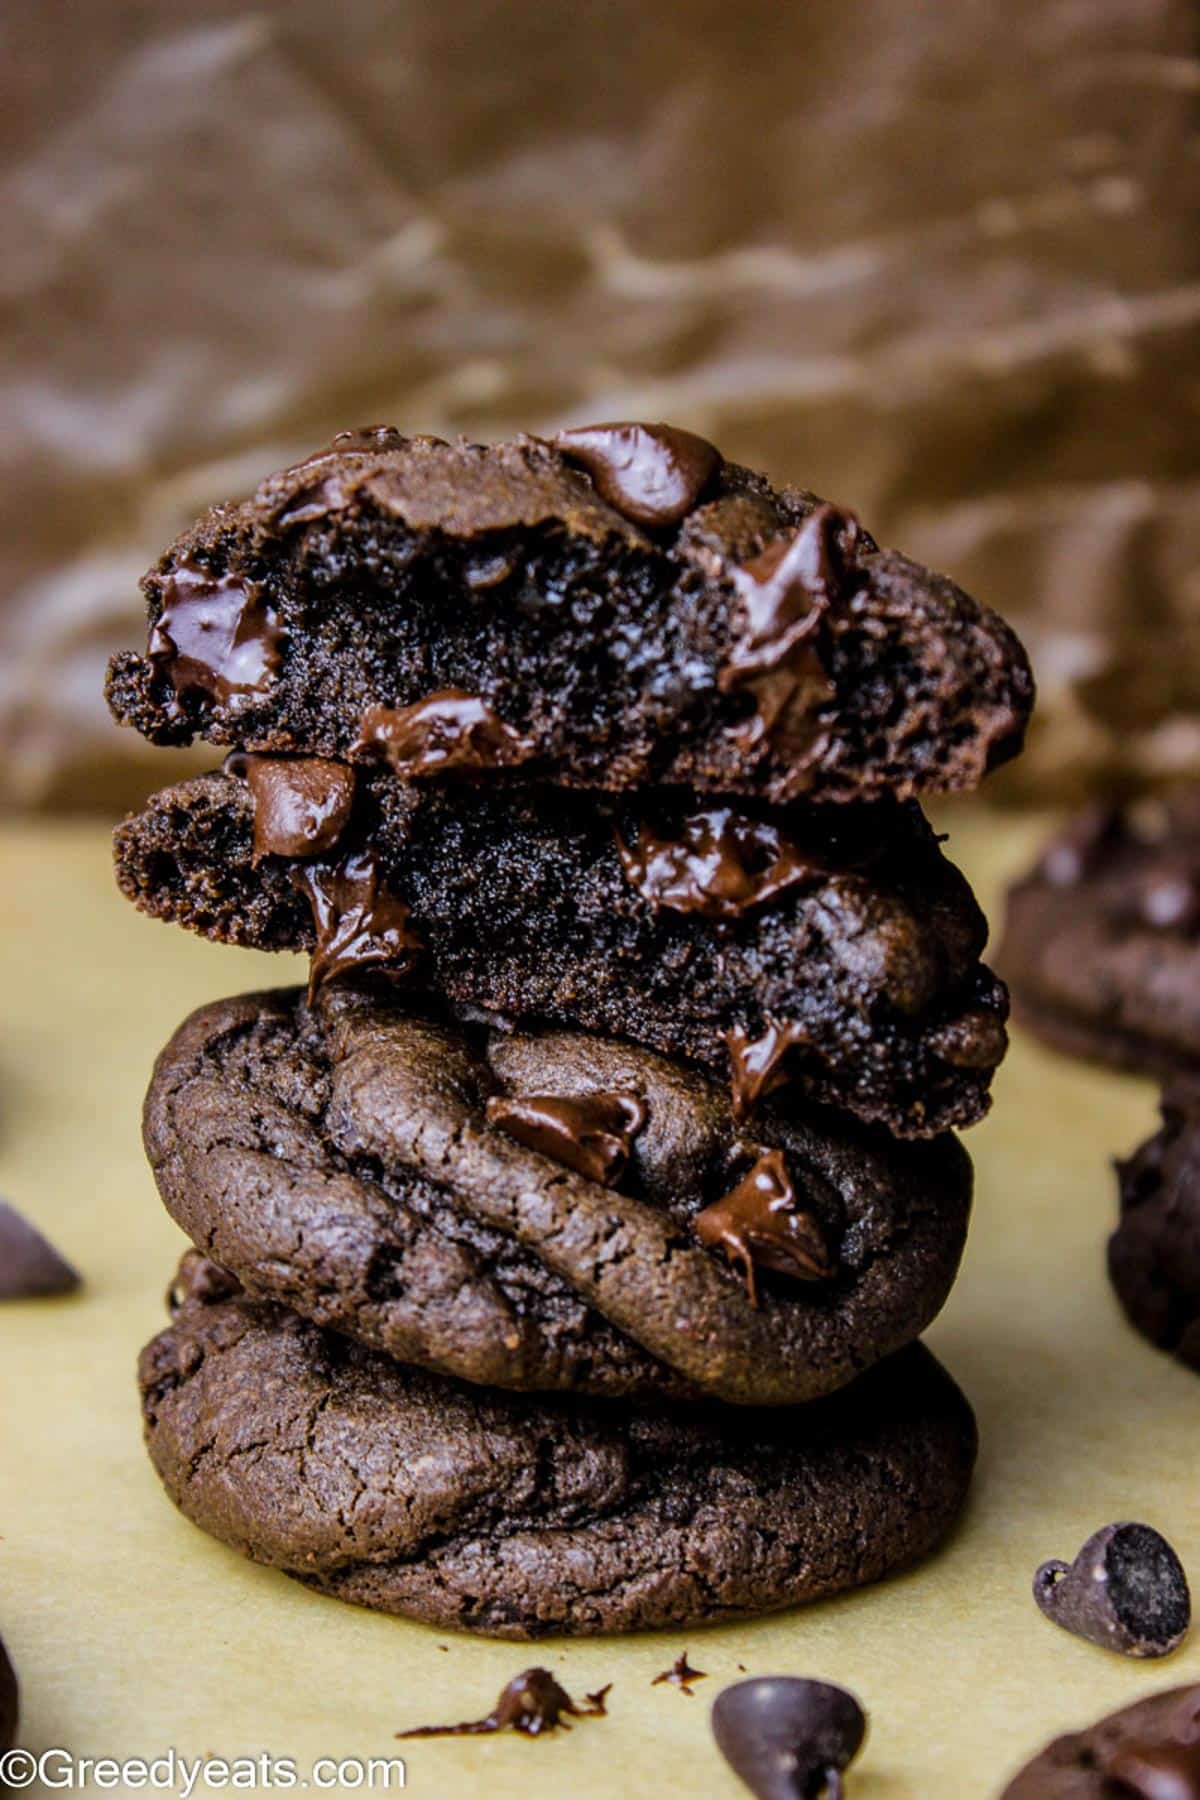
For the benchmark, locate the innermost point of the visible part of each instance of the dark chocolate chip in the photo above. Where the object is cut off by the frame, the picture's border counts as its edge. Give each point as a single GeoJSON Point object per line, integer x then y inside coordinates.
{"type": "Point", "coordinates": [760, 1224]}
{"type": "Point", "coordinates": [1126, 1591]}
{"type": "Point", "coordinates": [787, 1738]}
{"type": "Point", "coordinates": [447, 730]}
{"type": "Point", "coordinates": [652, 474]}
{"type": "Point", "coordinates": [590, 1133]}
{"type": "Point", "coordinates": [720, 865]}
{"type": "Point", "coordinates": [216, 636]}
{"type": "Point", "coordinates": [680, 1674]}
{"type": "Point", "coordinates": [302, 804]}
{"type": "Point", "coordinates": [10, 1701]}
{"type": "Point", "coordinates": [30, 1268]}
{"type": "Point", "coordinates": [533, 1702]}
{"type": "Point", "coordinates": [756, 1064]}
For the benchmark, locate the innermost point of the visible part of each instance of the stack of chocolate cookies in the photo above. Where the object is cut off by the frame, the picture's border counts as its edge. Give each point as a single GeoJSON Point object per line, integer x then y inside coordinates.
{"type": "Point", "coordinates": [561, 1252]}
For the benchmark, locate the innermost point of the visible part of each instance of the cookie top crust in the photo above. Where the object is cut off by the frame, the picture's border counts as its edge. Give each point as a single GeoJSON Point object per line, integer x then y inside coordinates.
{"type": "Point", "coordinates": [529, 1210]}
{"type": "Point", "coordinates": [708, 629]}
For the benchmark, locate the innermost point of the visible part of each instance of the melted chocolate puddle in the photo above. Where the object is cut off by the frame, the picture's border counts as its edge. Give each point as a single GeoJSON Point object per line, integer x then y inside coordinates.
{"type": "Point", "coordinates": [216, 636]}
{"type": "Point", "coordinates": [532, 1703]}
{"type": "Point", "coordinates": [447, 730]}
{"type": "Point", "coordinates": [721, 865]}
{"type": "Point", "coordinates": [590, 1133]}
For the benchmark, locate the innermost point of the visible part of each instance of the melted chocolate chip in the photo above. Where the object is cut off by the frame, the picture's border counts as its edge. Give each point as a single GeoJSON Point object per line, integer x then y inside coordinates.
{"type": "Point", "coordinates": [680, 1675]}
{"type": "Point", "coordinates": [785, 594]}
{"type": "Point", "coordinates": [756, 1063]}
{"type": "Point", "coordinates": [786, 1738]}
{"type": "Point", "coordinates": [447, 730]}
{"type": "Point", "coordinates": [532, 1703]}
{"type": "Point", "coordinates": [721, 865]}
{"type": "Point", "coordinates": [30, 1267]}
{"type": "Point", "coordinates": [759, 1224]}
{"type": "Point", "coordinates": [358, 923]}
{"type": "Point", "coordinates": [590, 1133]}
{"type": "Point", "coordinates": [216, 636]}
{"type": "Point", "coordinates": [1126, 1591]}
{"type": "Point", "coordinates": [302, 804]}
{"type": "Point", "coordinates": [651, 474]}
{"type": "Point", "coordinates": [1154, 1771]}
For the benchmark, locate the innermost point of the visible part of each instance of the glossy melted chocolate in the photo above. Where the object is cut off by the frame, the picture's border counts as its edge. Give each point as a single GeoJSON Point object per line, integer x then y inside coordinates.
{"type": "Point", "coordinates": [216, 636]}
{"type": "Point", "coordinates": [590, 1133]}
{"type": "Point", "coordinates": [721, 865]}
{"type": "Point", "coordinates": [358, 923]}
{"type": "Point", "coordinates": [757, 1063]}
{"type": "Point", "coordinates": [302, 804]}
{"type": "Point", "coordinates": [447, 730]}
{"type": "Point", "coordinates": [651, 474]}
{"type": "Point", "coordinates": [531, 1703]}
{"type": "Point", "coordinates": [759, 1224]}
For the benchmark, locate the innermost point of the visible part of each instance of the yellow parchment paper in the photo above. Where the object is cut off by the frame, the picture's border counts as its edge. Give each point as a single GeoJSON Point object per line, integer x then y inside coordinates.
{"type": "Point", "coordinates": [133, 1633]}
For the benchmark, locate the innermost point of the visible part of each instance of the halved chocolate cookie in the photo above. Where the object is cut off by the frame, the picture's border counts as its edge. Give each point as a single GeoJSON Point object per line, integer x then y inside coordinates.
{"type": "Point", "coordinates": [400, 1490]}
{"type": "Point", "coordinates": [545, 1210]}
{"type": "Point", "coordinates": [831, 947]}
{"type": "Point", "coordinates": [620, 608]}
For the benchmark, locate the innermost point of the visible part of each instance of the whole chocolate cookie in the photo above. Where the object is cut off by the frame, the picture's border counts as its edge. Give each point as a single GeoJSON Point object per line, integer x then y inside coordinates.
{"type": "Point", "coordinates": [397, 1489]}
{"type": "Point", "coordinates": [545, 1210]}
{"type": "Point", "coordinates": [1154, 1254]}
{"type": "Point", "coordinates": [831, 947]}
{"type": "Point", "coordinates": [618, 609]}
{"type": "Point", "coordinates": [1102, 939]}
{"type": "Point", "coordinates": [1147, 1751]}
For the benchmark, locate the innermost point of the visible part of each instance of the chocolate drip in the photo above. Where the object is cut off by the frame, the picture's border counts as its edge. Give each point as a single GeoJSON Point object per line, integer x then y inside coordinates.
{"type": "Point", "coordinates": [721, 865]}
{"type": "Point", "coordinates": [758, 1224]}
{"type": "Point", "coordinates": [1151, 1771]}
{"type": "Point", "coordinates": [447, 730]}
{"type": "Point", "coordinates": [651, 474]}
{"type": "Point", "coordinates": [532, 1702]}
{"type": "Point", "coordinates": [786, 593]}
{"type": "Point", "coordinates": [680, 1674]}
{"type": "Point", "coordinates": [358, 922]}
{"type": "Point", "coordinates": [216, 636]}
{"type": "Point", "coordinates": [756, 1062]}
{"type": "Point", "coordinates": [302, 804]}
{"type": "Point", "coordinates": [590, 1133]}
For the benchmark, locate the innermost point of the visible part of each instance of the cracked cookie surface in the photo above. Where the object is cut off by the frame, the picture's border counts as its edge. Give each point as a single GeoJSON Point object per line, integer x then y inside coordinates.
{"type": "Point", "coordinates": [515, 1517]}
{"type": "Point", "coordinates": [340, 1159]}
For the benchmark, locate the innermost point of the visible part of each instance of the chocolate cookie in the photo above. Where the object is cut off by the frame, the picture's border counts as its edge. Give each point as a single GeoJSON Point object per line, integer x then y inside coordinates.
{"type": "Point", "coordinates": [621, 608]}
{"type": "Point", "coordinates": [1102, 939]}
{"type": "Point", "coordinates": [397, 1489]}
{"type": "Point", "coordinates": [547, 1210]}
{"type": "Point", "coordinates": [833, 947]}
{"type": "Point", "coordinates": [1154, 1254]}
{"type": "Point", "coordinates": [1147, 1751]}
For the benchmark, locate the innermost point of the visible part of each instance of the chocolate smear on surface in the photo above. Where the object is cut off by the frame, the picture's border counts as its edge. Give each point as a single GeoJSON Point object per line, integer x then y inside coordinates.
{"type": "Point", "coordinates": [680, 1675]}
{"type": "Point", "coordinates": [788, 1738]}
{"type": "Point", "coordinates": [302, 804]}
{"type": "Point", "coordinates": [10, 1701]}
{"type": "Point", "coordinates": [217, 636]}
{"type": "Point", "coordinates": [651, 474]}
{"type": "Point", "coordinates": [1126, 1591]}
{"type": "Point", "coordinates": [721, 864]}
{"type": "Point", "coordinates": [447, 730]}
{"type": "Point", "coordinates": [532, 1703]}
{"type": "Point", "coordinates": [759, 1224]}
{"type": "Point", "coordinates": [358, 923]}
{"type": "Point", "coordinates": [786, 593]}
{"type": "Point", "coordinates": [756, 1063]}
{"type": "Point", "coordinates": [30, 1267]}
{"type": "Point", "coordinates": [590, 1133]}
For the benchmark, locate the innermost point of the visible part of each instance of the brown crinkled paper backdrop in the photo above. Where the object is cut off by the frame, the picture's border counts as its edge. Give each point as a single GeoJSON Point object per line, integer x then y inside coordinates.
{"type": "Point", "coordinates": [938, 262]}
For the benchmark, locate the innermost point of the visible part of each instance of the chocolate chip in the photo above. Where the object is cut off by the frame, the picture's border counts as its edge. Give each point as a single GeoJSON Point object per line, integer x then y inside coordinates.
{"type": "Point", "coordinates": [590, 1133]}
{"type": "Point", "coordinates": [10, 1701]}
{"type": "Point", "coordinates": [30, 1268]}
{"type": "Point", "coordinates": [787, 1738]}
{"type": "Point", "coordinates": [302, 804]}
{"type": "Point", "coordinates": [447, 730]}
{"type": "Point", "coordinates": [720, 865]}
{"type": "Point", "coordinates": [756, 1064]}
{"type": "Point", "coordinates": [358, 922]}
{"type": "Point", "coordinates": [680, 1675]}
{"type": "Point", "coordinates": [532, 1703]}
{"type": "Point", "coordinates": [1126, 1591]}
{"type": "Point", "coordinates": [652, 474]}
{"type": "Point", "coordinates": [761, 1224]}
{"type": "Point", "coordinates": [216, 636]}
